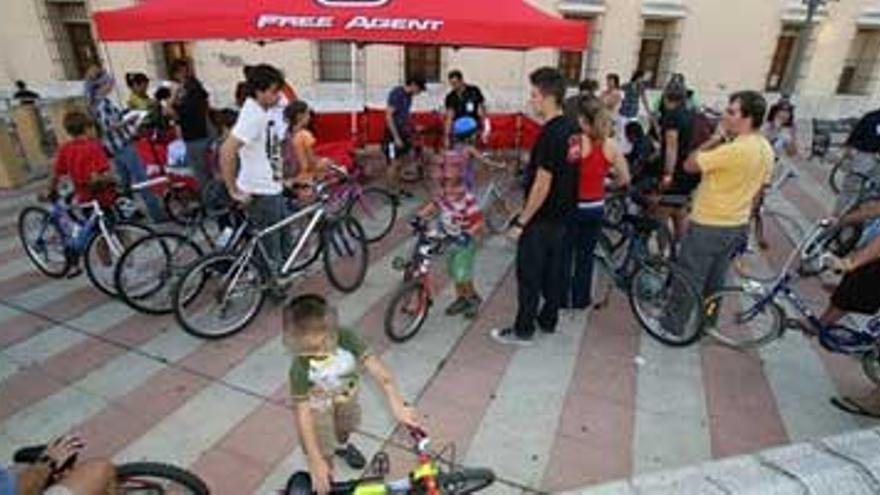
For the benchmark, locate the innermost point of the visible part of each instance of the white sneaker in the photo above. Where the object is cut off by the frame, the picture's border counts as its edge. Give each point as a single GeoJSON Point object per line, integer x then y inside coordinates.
{"type": "Point", "coordinates": [508, 336]}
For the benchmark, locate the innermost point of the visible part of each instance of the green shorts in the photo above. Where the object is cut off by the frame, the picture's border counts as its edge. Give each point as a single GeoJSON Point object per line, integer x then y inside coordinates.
{"type": "Point", "coordinates": [460, 262]}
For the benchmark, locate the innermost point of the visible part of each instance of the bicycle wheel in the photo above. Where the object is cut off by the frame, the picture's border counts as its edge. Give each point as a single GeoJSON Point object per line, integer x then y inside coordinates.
{"type": "Point", "coordinates": [665, 303]}
{"type": "Point", "coordinates": [407, 311]}
{"type": "Point", "coordinates": [311, 251]}
{"type": "Point", "coordinates": [43, 241]}
{"type": "Point", "coordinates": [103, 253]}
{"type": "Point", "coordinates": [837, 177]}
{"type": "Point", "coordinates": [871, 364]}
{"type": "Point", "coordinates": [182, 204]}
{"type": "Point", "coordinates": [376, 210]}
{"type": "Point", "coordinates": [346, 255]}
{"type": "Point", "coordinates": [498, 213]}
{"type": "Point", "coordinates": [465, 480]}
{"type": "Point", "coordinates": [150, 268]}
{"type": "Point", "coordinates": [218, 296]}
{"type": "Point", "coordinates": [153, 477]}
{"type": "Point", "coordinates": [742, 319]}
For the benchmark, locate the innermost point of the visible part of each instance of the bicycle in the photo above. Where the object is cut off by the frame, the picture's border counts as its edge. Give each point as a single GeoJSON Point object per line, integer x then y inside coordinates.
{"type": "Point", "coordinates": [501, 200]}
{"type": "Point", "coordinates": [414, 297]}
{"type": "Point", "coordinates": [374, 207]}
{"type": "Point", "coordinates": [135, 478]}
{"type": "Point", "coordinates": [426, 478]}
{"type": "Point", "coordinates": [216, 285]}
{"type": "Point", "coordinates": [56, 238]}
{"type": "Point", "coordinates": [427, 141]}
{"type": "Point", "coordinates": [841, 170]}
{"type": "Point", "coordinates": [750, 315]}
{"type": "Point", "coordinates": [639, 264]}
{"type": "Point", "coordinates": [149, 268]}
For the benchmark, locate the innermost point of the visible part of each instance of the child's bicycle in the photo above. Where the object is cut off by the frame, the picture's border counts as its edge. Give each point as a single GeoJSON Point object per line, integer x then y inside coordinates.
{"type": "Point", "coordinates": [750, 315]}
{"type": "Point", "coordinates": [55, 239]}
{"type": "Point", "coordinates": [411, 302]}
{"type": "Point", "coordinates": [427, 478]}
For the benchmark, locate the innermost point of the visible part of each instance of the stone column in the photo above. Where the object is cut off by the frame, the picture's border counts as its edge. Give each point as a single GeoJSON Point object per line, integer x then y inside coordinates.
{"type": "Point", "coordinates": [13, 171]}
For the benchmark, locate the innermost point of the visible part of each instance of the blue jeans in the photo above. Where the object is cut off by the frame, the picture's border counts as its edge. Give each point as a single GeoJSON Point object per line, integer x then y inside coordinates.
{"type": "Point", "coordinates": [264, 212]}
{"type": "Point", "coordinates": [582, 233]}
{"type": "Point", "coordinates": [130, 169]}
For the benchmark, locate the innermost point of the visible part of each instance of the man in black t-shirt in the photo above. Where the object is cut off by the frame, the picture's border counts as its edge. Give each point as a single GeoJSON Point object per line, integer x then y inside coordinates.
{"type": "Point", "coordinates": [190, 103]}
{"type": "Point", "coordinates": [551, 183]}
{"type": "Point", "coordinates": [861, 152]}
{"type": "Point", "coordinates": [677, 125]}
{"type": "Point", "coordinates": [465, 100]}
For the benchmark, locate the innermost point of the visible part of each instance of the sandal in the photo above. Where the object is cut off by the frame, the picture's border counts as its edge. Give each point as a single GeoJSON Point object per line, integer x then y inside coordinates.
{"type": "Point", "coordinates": [352, 456]}
{"type": "Point", "coordinates": [850, 406]}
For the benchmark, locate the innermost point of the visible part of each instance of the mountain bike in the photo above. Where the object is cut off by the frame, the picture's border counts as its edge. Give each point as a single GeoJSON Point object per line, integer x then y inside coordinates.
{"type": "Point", "coordinates": [135, 478]}
{"type": "Point", "coordinates": [428, 477]}
{"type": "Point", "coordinates": [409, 306]}
{"type": "Point", "coordinates": [55, 238]}
{"type": "Point", "coordinates": [501, 199]}
{"type": "Point", "coordinates": [220, 294]}
{"type": "Point", "coordinates": [150, 268]}
{"type": "Point", "coordinates": [634, 257]}
{"type": "Point", "coordinates": [374, 207]}
{"type": "Point", "coordinates": [750, 315]}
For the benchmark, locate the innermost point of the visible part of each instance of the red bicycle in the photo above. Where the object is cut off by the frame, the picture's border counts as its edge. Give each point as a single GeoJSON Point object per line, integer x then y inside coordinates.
{"type": "Point", "coordinates": [409, 307]}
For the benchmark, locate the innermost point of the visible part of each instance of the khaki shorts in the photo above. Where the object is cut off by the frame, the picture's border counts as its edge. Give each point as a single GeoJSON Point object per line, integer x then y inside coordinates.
{"type": "Point", "coordinates": [334, 429]}
{"type": "Point", "coordinates": [58, 490]}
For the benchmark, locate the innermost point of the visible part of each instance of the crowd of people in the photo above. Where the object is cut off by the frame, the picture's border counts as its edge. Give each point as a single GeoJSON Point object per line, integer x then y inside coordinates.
{"type": "Point", "coordinates": [708, 182]}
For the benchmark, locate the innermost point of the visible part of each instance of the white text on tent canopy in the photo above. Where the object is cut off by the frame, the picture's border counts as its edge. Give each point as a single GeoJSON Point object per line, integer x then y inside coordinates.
{"type": "Point", "coordinates": [359, 22]}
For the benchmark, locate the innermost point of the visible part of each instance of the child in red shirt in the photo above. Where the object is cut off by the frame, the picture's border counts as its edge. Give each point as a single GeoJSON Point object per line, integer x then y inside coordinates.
{"type": "Point", "coordinates": [84, 161]}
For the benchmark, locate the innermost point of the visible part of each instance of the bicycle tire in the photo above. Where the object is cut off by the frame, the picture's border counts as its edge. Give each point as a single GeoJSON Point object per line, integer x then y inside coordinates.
{"type": "Point", "coordinates": [103, 277]}
{"type": "Point", "coordinates": [377, 215]}
{"type": "Point", "coordinates": [311, 252]}
{"type": "Point", "coordinates": [182, 204]}
{"type": "Point", "coordinates": [401, 298]}
{"type": "Point", "coordinates": [155, 298]}
{"type": "Point", "coordinates": [740, 301]}
{"type": "Point", "coordinates": [658, 279]}
{"type": "Point", "coordinates": [207, 277]}
{"type": "Point", "coordinates": [133, 473]}
{"type": "Point", "coordinates": [44, 219]}
{"type": "Point", "coordinates": [871, 365]}
{"type": "Point", "coordinates": [345, 246]}
{"type": "Point", "coordinates": [465, 481]}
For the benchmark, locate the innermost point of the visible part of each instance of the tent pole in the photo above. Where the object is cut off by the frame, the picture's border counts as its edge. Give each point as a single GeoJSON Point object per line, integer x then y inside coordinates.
{"type": "Point", "coordinates": [354, 78]}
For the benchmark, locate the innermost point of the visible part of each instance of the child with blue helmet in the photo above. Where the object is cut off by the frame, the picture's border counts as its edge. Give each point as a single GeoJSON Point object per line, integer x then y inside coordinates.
{"type": "Point", "coordinates": [464, 136]}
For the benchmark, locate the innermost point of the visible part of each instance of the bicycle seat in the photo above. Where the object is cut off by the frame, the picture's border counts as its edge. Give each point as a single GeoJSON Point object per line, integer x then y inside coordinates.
{"type": "Point", "coordinates": [28, 455]}
{"type": "Point", "coordinates": [642, 224]}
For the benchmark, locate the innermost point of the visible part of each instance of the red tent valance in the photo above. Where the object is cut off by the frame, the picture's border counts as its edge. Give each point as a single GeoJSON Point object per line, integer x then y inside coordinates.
{"type": "Point", "coordinates": [511, 24]}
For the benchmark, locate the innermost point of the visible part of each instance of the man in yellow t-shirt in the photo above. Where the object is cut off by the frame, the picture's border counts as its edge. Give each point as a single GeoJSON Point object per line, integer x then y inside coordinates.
{"type": "Point", "coordinates": [735, 164]}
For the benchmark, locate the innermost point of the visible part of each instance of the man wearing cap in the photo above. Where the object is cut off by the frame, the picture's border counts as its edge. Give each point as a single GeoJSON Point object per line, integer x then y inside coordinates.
{"type": "Point", "coordinates": [117, 134]}
{"type": "Point", "coordinates": [397, 143]}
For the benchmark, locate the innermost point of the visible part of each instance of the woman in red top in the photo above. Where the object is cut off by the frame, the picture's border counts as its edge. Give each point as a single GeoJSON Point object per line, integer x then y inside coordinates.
{"type": "Point", "coordinates": [599, 154]}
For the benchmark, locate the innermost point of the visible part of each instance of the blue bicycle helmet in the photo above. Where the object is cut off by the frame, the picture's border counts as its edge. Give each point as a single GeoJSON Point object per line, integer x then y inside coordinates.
{"type": "Point", "coordinates": [464, 126]}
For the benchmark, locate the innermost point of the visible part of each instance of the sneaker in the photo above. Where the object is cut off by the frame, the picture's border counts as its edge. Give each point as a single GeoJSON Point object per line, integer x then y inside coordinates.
{"type": "Point", "coordinates": [473, 307]}
{"type": "Point", "coordinates": [352, 456]}
{"type": "Point", "coordinates": [458, 306]}
{"type": "Point", "coordinates": [509, 337]}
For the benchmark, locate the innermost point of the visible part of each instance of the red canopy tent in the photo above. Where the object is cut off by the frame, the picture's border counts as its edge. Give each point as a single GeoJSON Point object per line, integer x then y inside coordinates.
{"type": "Point", "coordinates": [511, 24]}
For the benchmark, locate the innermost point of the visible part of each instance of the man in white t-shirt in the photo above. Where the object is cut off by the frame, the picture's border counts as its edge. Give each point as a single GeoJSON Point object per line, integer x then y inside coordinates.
{"type": "Point", "coordinates": [256, 140]}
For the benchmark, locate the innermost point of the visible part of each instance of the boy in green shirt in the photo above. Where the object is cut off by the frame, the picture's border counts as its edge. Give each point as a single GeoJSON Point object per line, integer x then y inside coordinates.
{"type": "Point", "coordinates": [324, 383]}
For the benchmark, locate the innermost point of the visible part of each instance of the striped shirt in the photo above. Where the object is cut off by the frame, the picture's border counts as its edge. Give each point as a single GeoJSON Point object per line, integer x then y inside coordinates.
{"type": "Point", "coordinates": [108, 115]}
{"type": "Point", "coordinates": [460, 214]}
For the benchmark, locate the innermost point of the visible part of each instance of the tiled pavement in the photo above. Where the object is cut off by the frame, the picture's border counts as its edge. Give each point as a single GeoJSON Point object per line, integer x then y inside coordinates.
{"type": "Point", "coordinates": [596, 402]}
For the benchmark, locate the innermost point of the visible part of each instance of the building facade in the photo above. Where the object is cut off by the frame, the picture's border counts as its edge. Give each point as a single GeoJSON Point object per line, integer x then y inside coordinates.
{"type": "Point", "coordinates": [720, 45]}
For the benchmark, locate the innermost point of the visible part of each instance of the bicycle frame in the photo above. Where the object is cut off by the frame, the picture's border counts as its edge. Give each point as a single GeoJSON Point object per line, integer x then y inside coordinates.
{"type": "Point", "coordinates": [95, 218]}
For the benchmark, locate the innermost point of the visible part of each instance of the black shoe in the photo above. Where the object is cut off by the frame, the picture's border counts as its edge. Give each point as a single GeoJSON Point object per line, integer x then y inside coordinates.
{"type": "Point", "coordinates": [458, 306]}
{"type": "Point", "coordinates": [352, 456]}
{"type": "Point", "coordinates": [473, 307]}
{"type": "Point", "coordinates": [508, 336]}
